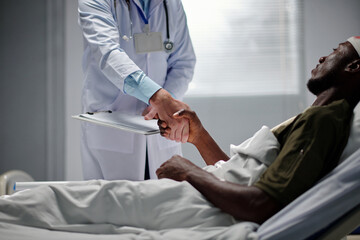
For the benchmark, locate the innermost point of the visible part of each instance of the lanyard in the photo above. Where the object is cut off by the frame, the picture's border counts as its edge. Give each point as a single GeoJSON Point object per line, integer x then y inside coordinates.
{"type": "Point", "coordinates": [131, 24]}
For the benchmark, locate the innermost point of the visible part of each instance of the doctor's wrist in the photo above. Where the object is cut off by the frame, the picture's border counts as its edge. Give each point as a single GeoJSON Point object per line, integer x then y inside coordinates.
{"type": "Point", "coordinates": [159, 97]}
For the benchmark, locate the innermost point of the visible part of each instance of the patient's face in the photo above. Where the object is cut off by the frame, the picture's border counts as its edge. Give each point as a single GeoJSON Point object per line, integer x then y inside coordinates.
{"type": "Point", "coordinates": [331, 68]}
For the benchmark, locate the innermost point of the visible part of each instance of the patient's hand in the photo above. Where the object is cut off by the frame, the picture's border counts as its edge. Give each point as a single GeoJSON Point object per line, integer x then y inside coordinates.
{"type": "Point", "coordinates": [176, 168]}
{"type": "Point", "coordinates": [196, 129]}
{"type": "Point", "coordinates": [208, 148]}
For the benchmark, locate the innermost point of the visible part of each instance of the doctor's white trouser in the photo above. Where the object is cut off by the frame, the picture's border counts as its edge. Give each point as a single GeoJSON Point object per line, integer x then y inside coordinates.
{"type": "Point", "coordinates": [112, 154]}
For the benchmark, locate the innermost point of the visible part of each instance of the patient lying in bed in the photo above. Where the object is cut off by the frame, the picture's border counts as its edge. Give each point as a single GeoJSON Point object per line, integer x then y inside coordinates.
{"type": "Point", "coordinates": [310, 145]}
{"type": "Point", "coordinates": [288, 160]}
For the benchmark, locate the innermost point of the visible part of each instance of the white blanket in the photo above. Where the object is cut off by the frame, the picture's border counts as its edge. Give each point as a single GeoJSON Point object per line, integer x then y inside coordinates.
{"type": "Point", "coordinates": [249, 159]}
{"type": "Point", "coordinates": [153, 205]}
{"type": "Point", "coordinates": [153, 208]}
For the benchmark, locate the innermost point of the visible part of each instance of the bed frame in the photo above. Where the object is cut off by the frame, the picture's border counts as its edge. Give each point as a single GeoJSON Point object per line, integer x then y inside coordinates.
{"type": "Point", "coordinates": [342, 227]}
{"type": "Point", "coordinates": [8, 179]}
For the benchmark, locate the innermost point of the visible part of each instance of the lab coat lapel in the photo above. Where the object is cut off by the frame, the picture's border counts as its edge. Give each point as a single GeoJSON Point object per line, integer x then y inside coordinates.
{"type": "Point", "coordinates": [139, 8]}
{"type": "Point", "coordinates": [152, 6]}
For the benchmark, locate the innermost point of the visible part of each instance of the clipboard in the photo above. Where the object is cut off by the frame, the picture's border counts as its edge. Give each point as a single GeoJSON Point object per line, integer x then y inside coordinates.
{"type": "Point", "coordinates": [122, 121]}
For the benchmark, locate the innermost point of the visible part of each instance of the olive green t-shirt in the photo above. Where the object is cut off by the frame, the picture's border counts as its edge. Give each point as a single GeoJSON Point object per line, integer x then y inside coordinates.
{"type": "Point", "coordinates": [311, 146]}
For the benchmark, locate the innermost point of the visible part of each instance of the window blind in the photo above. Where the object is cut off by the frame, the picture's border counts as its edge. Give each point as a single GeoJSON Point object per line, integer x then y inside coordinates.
{"type": "Point", "coordinates": [245, 47]}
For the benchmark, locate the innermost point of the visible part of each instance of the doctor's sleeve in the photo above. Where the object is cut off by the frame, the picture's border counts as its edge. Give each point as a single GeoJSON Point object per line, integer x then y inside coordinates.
{"type": "Point", "coordinates": [140, 86]}
{"type": "Point", "coordinates": [181, 62]}
{"type": "Point", "coordinates": [101, 33]}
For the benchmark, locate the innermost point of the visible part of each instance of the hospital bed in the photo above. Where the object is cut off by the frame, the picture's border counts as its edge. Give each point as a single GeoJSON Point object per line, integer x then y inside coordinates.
{"type": "Point", "coordinates": [330, 210]}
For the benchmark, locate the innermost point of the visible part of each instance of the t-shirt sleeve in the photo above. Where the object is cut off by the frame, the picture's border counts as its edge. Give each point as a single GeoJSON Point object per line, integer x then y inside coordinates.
{"type": "Point", "coordinates": [312, 148]}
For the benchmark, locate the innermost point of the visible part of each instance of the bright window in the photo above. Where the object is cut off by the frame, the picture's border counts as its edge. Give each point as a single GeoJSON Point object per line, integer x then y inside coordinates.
{"type": "Point", "coordinates": [245, 47]}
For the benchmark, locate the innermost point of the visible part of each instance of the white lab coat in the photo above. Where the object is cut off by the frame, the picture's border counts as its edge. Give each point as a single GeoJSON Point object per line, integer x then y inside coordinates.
{"type": "Point", "coordinates": [107, 61]}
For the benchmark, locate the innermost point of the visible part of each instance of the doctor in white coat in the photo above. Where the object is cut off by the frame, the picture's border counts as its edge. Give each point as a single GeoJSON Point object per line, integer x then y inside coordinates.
{"type": "Point", "coordinates": [138, 59]}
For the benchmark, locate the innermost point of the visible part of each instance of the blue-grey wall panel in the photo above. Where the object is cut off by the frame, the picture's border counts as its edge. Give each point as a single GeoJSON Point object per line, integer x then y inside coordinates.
{"type": "Point", "coordinates": [23, 86]}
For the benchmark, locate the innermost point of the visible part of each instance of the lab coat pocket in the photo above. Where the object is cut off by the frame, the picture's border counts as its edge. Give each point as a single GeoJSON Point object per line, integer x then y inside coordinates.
{"type": "Point", "coordinates": [107, 138]}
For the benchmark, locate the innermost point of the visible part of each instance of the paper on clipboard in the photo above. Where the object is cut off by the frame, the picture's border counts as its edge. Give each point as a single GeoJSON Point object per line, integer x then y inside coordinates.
{"type": "Point", "coordinates": [126, 122]}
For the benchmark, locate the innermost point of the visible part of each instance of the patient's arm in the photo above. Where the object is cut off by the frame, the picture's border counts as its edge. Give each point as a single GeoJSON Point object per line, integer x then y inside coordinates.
{"type": "Point", "coordinates": [206, 145]}
{"type": "Point", "coordinates": [242, 202]}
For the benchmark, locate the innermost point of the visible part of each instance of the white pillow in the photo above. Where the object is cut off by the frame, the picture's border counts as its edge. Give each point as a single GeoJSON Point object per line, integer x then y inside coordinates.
{"type": "Point", "coordinates": [353, 143]}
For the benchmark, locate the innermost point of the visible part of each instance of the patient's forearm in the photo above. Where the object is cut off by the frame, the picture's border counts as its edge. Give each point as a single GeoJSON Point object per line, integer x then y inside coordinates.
{"type": "Point", "coordinates": [198, 136]}
{"type": "Point", "coordinates": [242, 202]}
{"type": "Point", "coordinates": [209, 149]}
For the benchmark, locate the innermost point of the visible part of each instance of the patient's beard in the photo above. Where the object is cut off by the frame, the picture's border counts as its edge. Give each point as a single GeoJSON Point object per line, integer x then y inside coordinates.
{"type": "Point", "coordinates": [319, 85]}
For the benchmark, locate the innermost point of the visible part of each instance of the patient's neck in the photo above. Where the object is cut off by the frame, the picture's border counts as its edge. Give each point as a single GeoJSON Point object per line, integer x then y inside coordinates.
{"type": "Point", "coordinates": [333, 94]}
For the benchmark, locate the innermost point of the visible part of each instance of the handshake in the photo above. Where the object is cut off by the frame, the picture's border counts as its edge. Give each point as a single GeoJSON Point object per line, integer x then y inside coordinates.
{"type": "Point", "coordinates": [175, 119]}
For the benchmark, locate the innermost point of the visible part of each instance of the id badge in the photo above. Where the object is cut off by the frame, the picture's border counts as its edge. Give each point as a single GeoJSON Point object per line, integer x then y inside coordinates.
{"type": "Point", "coordinates": [148, 42]}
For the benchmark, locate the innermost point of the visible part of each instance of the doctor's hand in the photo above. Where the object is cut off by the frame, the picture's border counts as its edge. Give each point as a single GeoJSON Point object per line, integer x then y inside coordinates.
{"type": "Point", "coordinates": [150, 113]}
{"type": "Point", "coordinates": [165, 106]}
{"type": "Point", "coordinates": [177, 168]}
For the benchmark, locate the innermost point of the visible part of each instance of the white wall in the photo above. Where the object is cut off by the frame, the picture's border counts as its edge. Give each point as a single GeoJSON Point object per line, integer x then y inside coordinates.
{"type": "Point", "coordinates": [229, 120]}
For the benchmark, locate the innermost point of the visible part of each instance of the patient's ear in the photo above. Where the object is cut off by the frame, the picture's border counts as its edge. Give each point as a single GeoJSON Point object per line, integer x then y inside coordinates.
{"type": "Point", "coordinates": [354, 66]}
